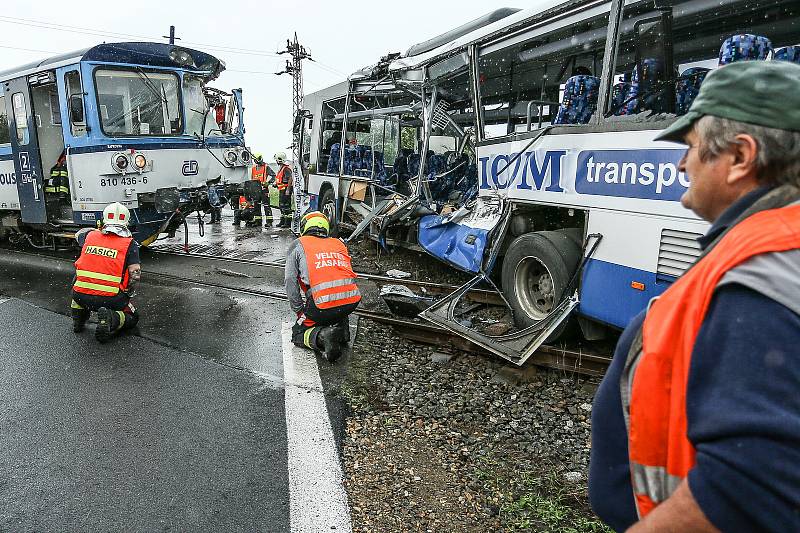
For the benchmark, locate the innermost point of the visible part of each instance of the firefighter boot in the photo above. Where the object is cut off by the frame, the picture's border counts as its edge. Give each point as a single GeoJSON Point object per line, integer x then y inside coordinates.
{"type": "Point", "coordinates": [330, 341]}
{"type": "Point", "coordinates": [79, 318]}
{"type": "Point", "coordinates": [108, 323]}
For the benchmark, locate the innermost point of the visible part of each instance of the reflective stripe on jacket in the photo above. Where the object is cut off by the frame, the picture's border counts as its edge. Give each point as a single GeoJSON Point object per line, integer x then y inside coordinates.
{"type": "Point", "coordinates": [283, 181]}
{"type": "Point", "coordinates": [656, 374]}
{"type": "Point", "coordinates": [330, 272]}
{"type": "Point", "coordinates": [259, 173]}
{"type": "Point", "coordinates": [100, 270]}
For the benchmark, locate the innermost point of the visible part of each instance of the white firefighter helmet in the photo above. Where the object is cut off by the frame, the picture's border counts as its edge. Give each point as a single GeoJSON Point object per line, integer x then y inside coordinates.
{"type": "Point", "coordinates": [116, 214]}
{"type": "Point", "coordinates": [280, 157]}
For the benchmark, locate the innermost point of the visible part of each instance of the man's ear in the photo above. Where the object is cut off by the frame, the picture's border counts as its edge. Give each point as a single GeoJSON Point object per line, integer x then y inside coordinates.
{"type": "Point", "coordinates": [743, 171]}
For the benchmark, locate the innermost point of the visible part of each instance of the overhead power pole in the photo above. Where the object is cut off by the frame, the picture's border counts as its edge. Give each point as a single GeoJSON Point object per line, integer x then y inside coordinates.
{"type": "Point", "coordinates": [294, 67]}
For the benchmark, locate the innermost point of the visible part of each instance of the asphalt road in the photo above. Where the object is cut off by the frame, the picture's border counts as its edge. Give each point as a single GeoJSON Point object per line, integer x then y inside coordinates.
{"type": "Point", "coordinates": [181, 425]}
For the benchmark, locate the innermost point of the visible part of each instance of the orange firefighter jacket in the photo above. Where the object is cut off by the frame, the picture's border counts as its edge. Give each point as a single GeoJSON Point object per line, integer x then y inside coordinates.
{"type": "Point", "coordinates": [332, 282]}
{"type": "Point", "coordinates": [100, 269]}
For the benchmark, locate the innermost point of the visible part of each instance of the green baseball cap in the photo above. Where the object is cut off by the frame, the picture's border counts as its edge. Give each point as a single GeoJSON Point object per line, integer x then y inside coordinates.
{"type": "Point", "coordinates": [766, 93]}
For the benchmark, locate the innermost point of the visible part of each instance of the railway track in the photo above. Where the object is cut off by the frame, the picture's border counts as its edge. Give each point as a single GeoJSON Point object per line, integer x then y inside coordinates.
{"type": "Point", "coordinates": [570, 358]}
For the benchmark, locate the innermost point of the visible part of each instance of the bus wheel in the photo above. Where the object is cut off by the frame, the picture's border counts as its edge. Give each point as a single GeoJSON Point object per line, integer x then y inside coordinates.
{"type": "Point", "coordinates": [327, 204]}
{"type": "Point", "coordinates": [536, 270]}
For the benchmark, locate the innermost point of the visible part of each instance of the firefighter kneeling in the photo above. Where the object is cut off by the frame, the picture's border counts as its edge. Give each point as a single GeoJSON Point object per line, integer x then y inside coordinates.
{"type": "Point", "coordinates": [105, 275]}
{"type": "Point", "coordinates": [319, 267]}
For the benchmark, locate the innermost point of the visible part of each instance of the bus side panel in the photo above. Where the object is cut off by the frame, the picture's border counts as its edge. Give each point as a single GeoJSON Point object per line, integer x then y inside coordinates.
{"type": "Point", "coordinates": [628, 267]}
{"type": "Point", "coordinates": [9, 196]}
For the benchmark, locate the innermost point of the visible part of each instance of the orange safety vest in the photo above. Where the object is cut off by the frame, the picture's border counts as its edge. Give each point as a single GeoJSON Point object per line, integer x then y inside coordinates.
{"type": "Point", "coordinates": [332, 282]}
{"type": "Point", "coordinates": [655, 381]}
{"type": "Point", "coordinates": [281, 180]}
{"type": "Point", "coordinates": [259, 173]}
{"type": "Point", "coordinates": [100, 270]}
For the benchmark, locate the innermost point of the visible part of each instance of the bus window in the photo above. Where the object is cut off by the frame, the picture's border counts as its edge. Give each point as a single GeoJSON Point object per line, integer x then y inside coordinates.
{"type": "Point", "coordinates": [521, 80]}
{"type": "Point", "coordinates": [138, 103]}
{"type": "Point", "coordinates": [21, 118]}
{"type": "Point", "coordinates": [331, 135]}
{"type": "Point", "coordinates": [651, 79]}
{"type": "Point", "coordinates": [450, 173]}
{"type": "Point", "coordinates": [5, 134]}
{"type": "Point", "coordinates": [72, 80]}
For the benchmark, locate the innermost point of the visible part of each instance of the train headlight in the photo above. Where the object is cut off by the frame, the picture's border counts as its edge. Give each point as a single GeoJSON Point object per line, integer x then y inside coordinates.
{"type": "Point", "coordinates": [120, 162]}
{"type": "Point", "coordinates": [245, 157]}
{"type": "Point", "coordinates": [140, 161]}
{"type": "Point", "coordinates": [230, 157]}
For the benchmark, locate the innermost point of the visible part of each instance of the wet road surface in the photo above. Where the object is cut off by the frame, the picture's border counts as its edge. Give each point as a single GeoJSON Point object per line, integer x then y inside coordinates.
{"type": "Point", "coordinates": [182, 424]}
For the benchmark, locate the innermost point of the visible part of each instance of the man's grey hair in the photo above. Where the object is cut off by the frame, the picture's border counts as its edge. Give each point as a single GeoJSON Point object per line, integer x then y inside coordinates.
{"type": "Point", "coordinates": [778, 158]}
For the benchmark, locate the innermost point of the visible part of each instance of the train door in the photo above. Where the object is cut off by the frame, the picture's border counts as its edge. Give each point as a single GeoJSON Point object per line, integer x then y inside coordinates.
{"type": "Point", "coordinates": [46, 110]}
{"type": "Point", "coordinates": [25, 149]}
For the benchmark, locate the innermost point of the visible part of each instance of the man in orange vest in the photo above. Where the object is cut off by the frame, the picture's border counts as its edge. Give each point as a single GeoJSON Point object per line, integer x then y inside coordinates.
{"type": "Point", "coordinates": [696, 426]}
{"type": "Point", "coordinates": [106, 274]}
{"type": "Point", "coordinates": [285, 184]}
{"type": "Point", "coordinates": [319, 270]}
{"type": "Point", "coordinates": [260, 173]}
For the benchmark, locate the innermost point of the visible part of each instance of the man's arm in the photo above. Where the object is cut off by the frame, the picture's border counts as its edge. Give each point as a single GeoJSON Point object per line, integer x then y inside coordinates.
{"type": "Point", "coordinates": [679, 512]}
{"type": "Point", "coordinates": [134, 276]}
{"type": "Point", "coordinates": [292, 275]}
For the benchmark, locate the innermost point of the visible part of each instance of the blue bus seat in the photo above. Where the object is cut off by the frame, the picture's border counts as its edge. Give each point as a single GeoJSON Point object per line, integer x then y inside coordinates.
{"type": "Point", "coordinates": [744, 47]}
{"type": "Point", "coordinates": [652, 74]}
{"type": "Point", "coordinates": [333, 160]}
{"type": "Point", "coordinates": [687, 87]}
{"type": "Point", "coordinates": [788, 53]}
{"type": "Point", "coordinates": [580, 100]}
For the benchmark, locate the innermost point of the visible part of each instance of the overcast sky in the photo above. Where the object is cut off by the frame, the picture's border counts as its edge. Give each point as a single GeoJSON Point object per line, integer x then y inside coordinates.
{"type": "Point", "coordinates": [341, 36]}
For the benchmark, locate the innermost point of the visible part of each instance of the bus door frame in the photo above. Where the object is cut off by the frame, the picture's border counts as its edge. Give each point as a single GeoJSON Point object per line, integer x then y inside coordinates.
{"type": "Point", "coordinates": [27, 160]}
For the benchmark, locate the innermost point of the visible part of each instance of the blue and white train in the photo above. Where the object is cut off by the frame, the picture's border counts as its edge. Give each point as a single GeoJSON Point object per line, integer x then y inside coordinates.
{"type": "Point", "coordinates": [134, 123]}
{"type": "Point", "coordinates": [519, 148]}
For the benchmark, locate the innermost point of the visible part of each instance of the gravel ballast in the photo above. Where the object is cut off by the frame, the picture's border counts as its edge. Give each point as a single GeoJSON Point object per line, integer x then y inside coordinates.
{"type": "Point", "coordinates": [440, 440]}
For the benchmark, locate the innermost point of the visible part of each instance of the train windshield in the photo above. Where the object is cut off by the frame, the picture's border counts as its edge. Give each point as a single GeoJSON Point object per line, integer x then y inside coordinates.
{"type": "Point", "coordinates": [138, 103]}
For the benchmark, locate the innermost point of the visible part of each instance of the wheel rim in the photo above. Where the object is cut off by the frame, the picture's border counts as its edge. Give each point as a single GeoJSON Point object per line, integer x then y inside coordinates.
{"type": "Point", "coordinates": [329, 210]}
{"type": "Point", "coordinates": [535, 287]}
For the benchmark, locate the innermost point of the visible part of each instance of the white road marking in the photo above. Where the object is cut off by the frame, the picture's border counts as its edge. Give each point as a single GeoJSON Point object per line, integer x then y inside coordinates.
{"type": "Point", "coordinates": [317, 499]}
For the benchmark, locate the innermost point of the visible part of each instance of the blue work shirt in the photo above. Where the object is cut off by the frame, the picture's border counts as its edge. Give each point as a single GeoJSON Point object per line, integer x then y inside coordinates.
{"type": "Point", "coordinates": [742, 407]}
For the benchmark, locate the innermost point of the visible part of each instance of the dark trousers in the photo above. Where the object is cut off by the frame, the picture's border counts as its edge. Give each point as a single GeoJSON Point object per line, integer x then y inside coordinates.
{"type": "Point", "coordinates": [285, 204]}
{"type": "Point", "coordinates": [84, 304]}
{"type": "Point", "coordinates": [305, 333]}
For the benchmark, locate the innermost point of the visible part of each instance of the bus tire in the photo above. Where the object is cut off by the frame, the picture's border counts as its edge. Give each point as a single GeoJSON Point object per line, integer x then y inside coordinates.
{"type": "Point", "coordinates": [327, 204]}
{"type": "Point", "coordinates": [536, 270]}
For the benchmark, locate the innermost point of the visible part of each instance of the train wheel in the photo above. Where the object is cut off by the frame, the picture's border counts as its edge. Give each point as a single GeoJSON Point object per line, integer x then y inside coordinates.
{"type": "Point", "coordinates": [536, 270]}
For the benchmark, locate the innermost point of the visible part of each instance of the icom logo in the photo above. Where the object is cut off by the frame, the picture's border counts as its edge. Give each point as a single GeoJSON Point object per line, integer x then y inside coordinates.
{"type": "Point", "coordinates": [190, 168]}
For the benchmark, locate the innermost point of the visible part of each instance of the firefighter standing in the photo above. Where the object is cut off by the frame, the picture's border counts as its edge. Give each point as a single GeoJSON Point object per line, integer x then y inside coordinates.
{"type": "Point", "coordinates": [59, 178]}
{"type": "Point", "coordinates": [260, 173]}
{"type": "Point", "coordinates": [106, 274]}
{"type": "Point", "coordinates": [319, 267]}
{"type": "Point", "coordinates": [285, 184]}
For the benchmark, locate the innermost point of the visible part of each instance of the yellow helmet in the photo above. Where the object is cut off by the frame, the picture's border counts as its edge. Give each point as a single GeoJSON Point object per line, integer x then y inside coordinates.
{"type": "Point", "coordinates": [314, 220]}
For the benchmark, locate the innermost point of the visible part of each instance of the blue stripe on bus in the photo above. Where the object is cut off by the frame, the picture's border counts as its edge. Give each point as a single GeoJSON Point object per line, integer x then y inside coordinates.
{"type": "Point", "coordinates": [148, 146]}
{"type": "Point", "coordinates": [606, 293]}
{"type": "Point", "coordinates": [6, 157]}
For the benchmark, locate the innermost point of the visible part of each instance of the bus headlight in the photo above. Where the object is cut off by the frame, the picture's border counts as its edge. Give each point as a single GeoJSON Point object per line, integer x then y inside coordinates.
{"type": "Point", "coordinates": [230, 157]}
{"type": "Point", "coordinates": [140, 161]}
{"type": "Point", "coordinates": [120, 162]}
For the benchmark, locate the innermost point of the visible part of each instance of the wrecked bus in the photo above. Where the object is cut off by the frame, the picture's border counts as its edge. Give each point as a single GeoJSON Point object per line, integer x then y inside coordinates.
{"type": "Point", "coordinates": [540, 175]}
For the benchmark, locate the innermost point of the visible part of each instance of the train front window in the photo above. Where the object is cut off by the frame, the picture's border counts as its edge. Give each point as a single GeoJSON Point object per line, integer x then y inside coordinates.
{"type": "Point", "coordinates": [138, 103]}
